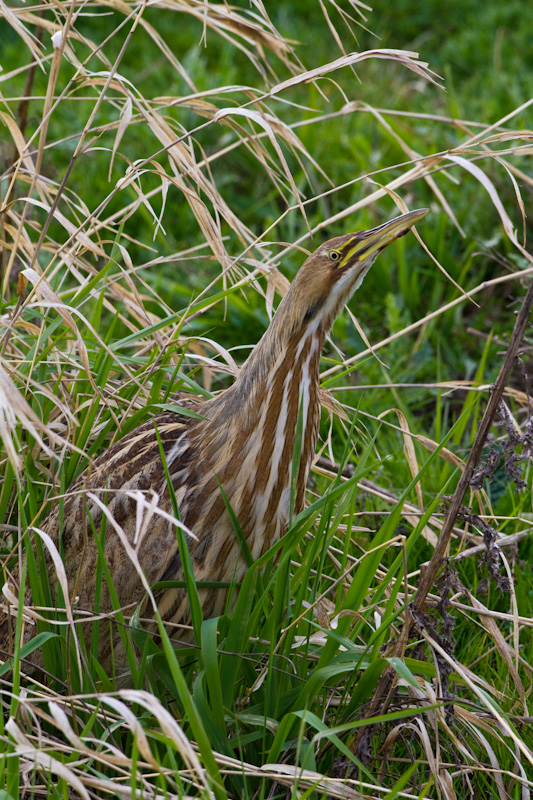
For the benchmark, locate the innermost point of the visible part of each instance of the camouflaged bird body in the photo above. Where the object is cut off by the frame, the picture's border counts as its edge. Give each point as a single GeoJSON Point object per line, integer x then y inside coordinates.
{"type": "Point", "coordinates": [244, 442]}
{"type": "Point", "coordinates": [198, 461]}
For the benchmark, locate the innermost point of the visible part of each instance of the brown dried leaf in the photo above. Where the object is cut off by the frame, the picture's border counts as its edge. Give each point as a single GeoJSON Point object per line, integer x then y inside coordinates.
{"type": "Point", "coordinates": [41, 760]}
{"type": "Point", "coordinates": [13, 409]}
{"type": "Point", "coordinates": [27, 37]}
{"type": "Point", "coordinates": [19, 141]}
{"type": "Point", "coordinates": [404, 57]}
{"type": "Point", "coordinates": [506, 652]}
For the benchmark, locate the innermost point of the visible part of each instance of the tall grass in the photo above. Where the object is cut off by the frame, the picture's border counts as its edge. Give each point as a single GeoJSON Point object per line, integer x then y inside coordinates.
{"type": "Point", "coordinates": [159, 163]}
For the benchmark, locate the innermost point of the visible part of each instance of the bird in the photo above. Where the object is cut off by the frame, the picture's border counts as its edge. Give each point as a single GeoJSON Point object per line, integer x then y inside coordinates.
{"type": "Point", "coordinates": [236, 450]}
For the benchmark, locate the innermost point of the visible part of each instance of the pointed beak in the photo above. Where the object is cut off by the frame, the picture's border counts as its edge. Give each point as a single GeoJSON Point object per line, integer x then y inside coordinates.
{"type": "Point", "coordinates": [367, 243]}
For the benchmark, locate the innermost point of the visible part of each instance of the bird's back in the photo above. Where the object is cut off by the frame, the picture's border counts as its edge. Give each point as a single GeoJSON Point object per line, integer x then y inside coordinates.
{"type": "Point", "coordinates": [128, 484]}
{"type": "Point", "coordinates": [125, 480]}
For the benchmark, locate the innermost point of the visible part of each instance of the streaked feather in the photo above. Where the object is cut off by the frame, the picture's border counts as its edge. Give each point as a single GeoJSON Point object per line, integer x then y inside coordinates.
{"type": "Point", "coordinates": [244, 441]}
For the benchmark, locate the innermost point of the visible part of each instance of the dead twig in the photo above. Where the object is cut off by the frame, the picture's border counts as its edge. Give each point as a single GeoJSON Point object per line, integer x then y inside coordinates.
{"type": "Point", "coordinates": [428, 575]}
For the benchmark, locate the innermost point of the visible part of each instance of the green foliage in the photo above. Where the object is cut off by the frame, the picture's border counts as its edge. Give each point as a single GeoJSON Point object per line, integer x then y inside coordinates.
{"type": "Point", "coordinates": [143, 306]}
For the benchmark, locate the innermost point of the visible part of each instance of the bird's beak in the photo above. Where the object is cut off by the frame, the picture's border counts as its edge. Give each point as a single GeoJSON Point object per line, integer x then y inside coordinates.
{"type": "Point", "coordinates": [367, 243]}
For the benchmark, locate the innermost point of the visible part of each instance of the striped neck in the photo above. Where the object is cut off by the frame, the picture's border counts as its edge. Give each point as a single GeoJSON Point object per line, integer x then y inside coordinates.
{"type": "Point", "coordinates": [253, 423]}
{"type": "Point", "coordinates": [288, 351]}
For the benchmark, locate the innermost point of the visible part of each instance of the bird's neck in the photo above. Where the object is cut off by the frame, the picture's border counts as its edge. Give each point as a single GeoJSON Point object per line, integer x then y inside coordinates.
{"type": "Point", "coordinates": [257, 418]}
{"type": "Point", "coordinates": [287, 354]}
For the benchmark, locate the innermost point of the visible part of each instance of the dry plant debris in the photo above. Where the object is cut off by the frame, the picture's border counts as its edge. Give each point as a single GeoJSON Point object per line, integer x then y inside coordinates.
{"type": "Point", "coordinates": [114, 183]}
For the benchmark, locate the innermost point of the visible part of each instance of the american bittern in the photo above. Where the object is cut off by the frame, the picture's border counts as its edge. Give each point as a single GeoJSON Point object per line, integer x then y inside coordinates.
{"type": "Point", "coordinates": [243, 441]}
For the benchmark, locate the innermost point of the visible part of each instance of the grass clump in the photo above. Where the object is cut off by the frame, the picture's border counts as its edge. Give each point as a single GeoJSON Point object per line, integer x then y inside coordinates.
{"type": "Point", "coordinates": [154, 165]}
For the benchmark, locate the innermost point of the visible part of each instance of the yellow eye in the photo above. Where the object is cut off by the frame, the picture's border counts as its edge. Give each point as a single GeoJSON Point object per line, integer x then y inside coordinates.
{"type": "Point", "coordinates": [335, 256]}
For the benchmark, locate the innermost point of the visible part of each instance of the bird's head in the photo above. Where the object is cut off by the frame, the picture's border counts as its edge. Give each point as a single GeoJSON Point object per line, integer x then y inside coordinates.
{"type": "Point", "coordinates": [331, 274]}
{"type": "Point", "coordinates": [321, 288]}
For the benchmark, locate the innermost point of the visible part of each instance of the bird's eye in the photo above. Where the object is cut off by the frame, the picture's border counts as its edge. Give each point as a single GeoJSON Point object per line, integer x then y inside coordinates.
{"type": "Point", "coordinates": [335, 256]}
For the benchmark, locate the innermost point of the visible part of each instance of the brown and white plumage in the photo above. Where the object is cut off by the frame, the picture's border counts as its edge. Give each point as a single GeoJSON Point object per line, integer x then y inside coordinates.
{"type": "Point", "coordinates": [243, 440]}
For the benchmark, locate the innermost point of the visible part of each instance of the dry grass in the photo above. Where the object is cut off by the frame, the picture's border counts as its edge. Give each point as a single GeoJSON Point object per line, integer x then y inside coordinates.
{"type": "Point", "coordinates": [77, 266]}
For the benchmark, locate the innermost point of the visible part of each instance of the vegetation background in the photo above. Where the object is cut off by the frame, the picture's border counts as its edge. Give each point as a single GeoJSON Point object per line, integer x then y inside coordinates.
{"type": "Point", "coordinates": [154, 164]}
